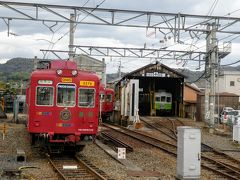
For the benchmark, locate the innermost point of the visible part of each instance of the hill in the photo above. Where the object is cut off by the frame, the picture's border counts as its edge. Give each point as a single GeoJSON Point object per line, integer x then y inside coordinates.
{"type": "Point", "coordinates": [20, 68]}
{"type": "Point", "coordinates": [17, 65]}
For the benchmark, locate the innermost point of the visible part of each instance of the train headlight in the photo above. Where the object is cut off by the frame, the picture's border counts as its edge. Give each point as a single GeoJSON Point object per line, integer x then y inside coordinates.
{"type": "Point", "coordinates": [59, 71]}
{"type": "Point", "coordinates": [74, 72]}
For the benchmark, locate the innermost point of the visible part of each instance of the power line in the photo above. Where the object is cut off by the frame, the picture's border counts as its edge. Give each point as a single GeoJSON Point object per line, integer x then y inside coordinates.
{"type": "Point", "coordinates": [194, 43]}
{"type": "Point", "coordinates": [212, 8]}
{"type": "Point", "coordinates": [80, 21]}
{"type": "Point", "coordinates": [228, 14]}
{"type": "Point", "coordinates": [51, 45]}
{"type": "Point", "coordinates": [231, 63]}
{"type": "Point", "coordinates": [198, 78]}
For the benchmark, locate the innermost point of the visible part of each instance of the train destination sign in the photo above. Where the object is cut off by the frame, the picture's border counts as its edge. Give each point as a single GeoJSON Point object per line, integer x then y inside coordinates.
{"type": "Point", "coordinates": [87, 83]}
{"type": "Point", "coordinates": [45, 82]}
{"type": "Point", "coordinates": [66, 80]}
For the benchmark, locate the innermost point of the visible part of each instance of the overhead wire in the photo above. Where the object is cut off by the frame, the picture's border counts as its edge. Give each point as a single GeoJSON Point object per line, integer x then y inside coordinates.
{"type": "Point", "coordinates": [52, 44]}
{"type": "Point", "coordinates": [80, 21]}
{"type": "Point", "coordinates": [231, 63]}
{"type": "Point", "coordinates": [200, 77]}
{"type": "Point", "coordinates": [211, 10]}
{"type": "Point", "coordinates": [236, 36]}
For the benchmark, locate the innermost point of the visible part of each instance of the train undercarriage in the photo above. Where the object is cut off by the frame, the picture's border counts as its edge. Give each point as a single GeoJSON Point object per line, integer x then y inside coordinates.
{"type": "Point", "coordinates": [60, 143]}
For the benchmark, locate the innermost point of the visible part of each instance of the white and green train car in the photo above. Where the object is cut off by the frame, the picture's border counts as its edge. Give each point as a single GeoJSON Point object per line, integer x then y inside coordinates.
{"type": "Point", "coordinates": [163, 101]}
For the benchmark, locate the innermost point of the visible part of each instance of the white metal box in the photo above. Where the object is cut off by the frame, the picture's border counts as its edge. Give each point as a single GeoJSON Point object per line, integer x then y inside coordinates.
{"type": "Point", "coordinates": [188, 153]}
{"type": "Point", "coordinates": [236, 133]}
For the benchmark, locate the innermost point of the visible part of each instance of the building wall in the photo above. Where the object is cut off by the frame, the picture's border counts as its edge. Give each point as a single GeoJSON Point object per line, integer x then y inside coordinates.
{"type": "Point", "coordinates": [223, 84]}
{"type": "Point", "coordinates": [222, 100]}
{"type": "Point", "coordinates": [189, 94]}
{"type": "Point", "coordinates": [190, 110]}
{"type": "Point", "coordinates": [91, 64]}
{"type": "Point", "coordinates": [190, 100]}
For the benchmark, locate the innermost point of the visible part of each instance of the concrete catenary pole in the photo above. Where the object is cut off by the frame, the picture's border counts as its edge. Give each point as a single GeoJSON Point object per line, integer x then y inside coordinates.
{"type": "Point", "coordinates": [104, 73]}
{"type": "Point", "coordinates": [213, 70]}
{"type": "Point", "coordinates": [71, 36]}
{"type": "Point", "coordinates": [119, 69]}
{"type": "Point", "coordinates": [207, 74]}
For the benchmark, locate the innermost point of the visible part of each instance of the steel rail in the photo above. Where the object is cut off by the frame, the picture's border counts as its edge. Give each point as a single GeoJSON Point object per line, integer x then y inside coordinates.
{"type": "Point", "coordinates": [221, 168]}
{"type": "Point", "coordinates": [84, 169]}
{"type": "Point", "coordinates": [117, 142]}
{"type": "Point", "coordinates": [94, 170]}
{"type": "Point", "coordinates": [163, 145]}
{"type": "Point", "coordinates": [168, 133]}
{"type": "Point", "coordinates": [205, 148]}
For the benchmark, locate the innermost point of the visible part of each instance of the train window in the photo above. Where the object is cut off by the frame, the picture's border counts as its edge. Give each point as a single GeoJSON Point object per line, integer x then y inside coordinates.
{"type": "Point", "coordinates": [163, 98]}
{"type": "Point", "coordinates": [66, 95]}
{"type": "Point", "coordinates": [44, 96]}
{"type": "Point", "coordinates": [86, 97]}
{"type": "Point", "coordinates": [109, 98]}
{"type": "Point", "coordinates": [169, 99]}
{"type": "Point", "coordinates": [157, 99]}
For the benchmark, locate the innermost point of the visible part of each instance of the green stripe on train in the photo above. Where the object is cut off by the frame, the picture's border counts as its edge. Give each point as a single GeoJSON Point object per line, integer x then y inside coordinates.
{"type": "Point", "coordinates": [161, 106]}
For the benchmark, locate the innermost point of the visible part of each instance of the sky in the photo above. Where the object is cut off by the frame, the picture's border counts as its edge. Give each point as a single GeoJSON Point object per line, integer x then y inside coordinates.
{"type": "Point", "coordinates": [28, 37]}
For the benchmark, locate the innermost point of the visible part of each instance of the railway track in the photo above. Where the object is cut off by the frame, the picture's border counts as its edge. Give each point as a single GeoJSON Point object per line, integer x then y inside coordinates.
{"type": "Point", "coordinates": [222, 165]}
{"type": "Point", "coordinates": [147, 139]}
{"type": "Point", "coordinates": [170, 132]}
{"type": "Point", "coordinates": [175, 123]}
{"type": "Point", "coordinates": [76, 167]}
{"type": "Point", "coordinates": [110, 139]}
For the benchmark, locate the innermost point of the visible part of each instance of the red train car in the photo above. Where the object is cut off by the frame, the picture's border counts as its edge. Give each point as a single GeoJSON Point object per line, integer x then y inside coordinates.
{"type": "Point", "coordinates": [107, 102]}
{"type": "Point", "coordinates": [63, 105]}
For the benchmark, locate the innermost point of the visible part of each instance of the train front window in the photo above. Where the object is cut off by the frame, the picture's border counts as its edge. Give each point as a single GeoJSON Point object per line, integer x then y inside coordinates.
{"type": "Point", "coordinates": [86, 97]}
{"type": "Point", "coordinates": [44, 96]}
{"type": "Point", "coordinates": [163, 98]}
{"type": "Point", "coordinates": [109, 98]}
{"type": "Point", "coordinates": [66, 95]}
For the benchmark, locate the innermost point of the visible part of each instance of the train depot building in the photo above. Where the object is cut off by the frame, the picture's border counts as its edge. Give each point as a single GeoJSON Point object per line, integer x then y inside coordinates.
{"type": "Point", "coordinates": [153, 90]}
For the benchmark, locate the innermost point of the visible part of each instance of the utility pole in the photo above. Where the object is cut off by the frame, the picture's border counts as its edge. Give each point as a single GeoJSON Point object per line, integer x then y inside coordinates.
{"type": "Point", "coordinates": [104, 74]}
{"type": "Point", "coordinates": [35, 62]}
{"type": "Point", "coordinates": [119, 69]}
{"type": "Point", "coordinates": [207, 75]}
{"type": "Point", "coordinates": [211, 68]}
{"type": "Point", "coordinates": [71, 36]}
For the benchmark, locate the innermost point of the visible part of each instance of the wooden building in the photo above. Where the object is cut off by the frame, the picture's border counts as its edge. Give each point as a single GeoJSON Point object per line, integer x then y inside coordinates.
{"type": "Point", "coordinates": [152, 79]}
{"type": "Point", "coordinates": [221, 100]}
{"type": "Point", "coordinates": [190, 101]}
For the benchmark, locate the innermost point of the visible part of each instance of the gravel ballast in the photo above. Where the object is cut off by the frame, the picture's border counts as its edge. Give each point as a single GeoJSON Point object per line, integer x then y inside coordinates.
{"type": "Point", "coordinates": [145, 157]}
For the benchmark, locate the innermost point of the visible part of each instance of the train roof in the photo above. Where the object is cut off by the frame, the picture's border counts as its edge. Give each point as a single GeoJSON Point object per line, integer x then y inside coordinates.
{"type": "Point", "coordinates": [47, 73]}
{"type": "Point", "coordinates": [63, 64]}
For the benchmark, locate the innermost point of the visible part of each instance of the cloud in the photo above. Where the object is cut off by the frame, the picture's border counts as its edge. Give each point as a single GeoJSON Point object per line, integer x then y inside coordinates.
{"type": "Point", "coordinates": [23, 46]}
{"type": "Point", "coordinates": [27, 45]}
